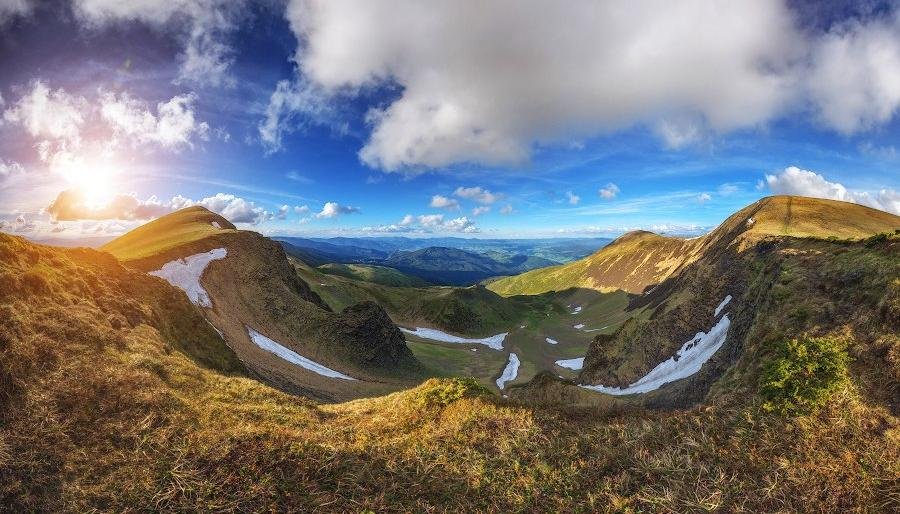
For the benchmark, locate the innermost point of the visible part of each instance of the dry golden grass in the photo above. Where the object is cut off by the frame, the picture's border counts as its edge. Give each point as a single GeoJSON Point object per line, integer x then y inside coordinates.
{"type": "Point", "coordinates": [109, 405]}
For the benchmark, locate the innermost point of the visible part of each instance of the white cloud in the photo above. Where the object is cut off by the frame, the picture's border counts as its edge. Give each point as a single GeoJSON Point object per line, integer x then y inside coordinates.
{"type": "Point", "coordinates": [291, 105]}
{"type": "Point", "coordinates": [282, 212]}
{"type": "Point", "coordinates": [301, 209]}
{"type": "Point", "coordinates": [507, 209]}
{"type": "Point", "coordinates": [592, 67]}
{"type": "Point", "coordinates": [430, 220]}
{"type": "Point", "coordinates": [854, 78]}
{"type": "Point", "coordinates": [462, 224]}
{"type": "Point", "coordinates": [478, 211]}
{"type": "Point", "coordinates": [728, 189]}
{"type": "Point", "coordinates": [71, 205]}
{"type": "Point", "coordinates": [703, 197]}
{"type": "Point", "coordinates": [174, 125]}
{"type": "Point", "coordinates": [885, 153]}
{"type": "Point", "coordinates": [573, 198]}
{"type": "Point", "coordinates": [478, 194]}
{"type": "Point", "coordinates": [409, 219]}
{"type": "Point", "coordinates": [442, 202]}
{"type": "Point", "coordinates": [202, 26]}
{"type": "Point", "coordinates": [334, 209]}
{"type": "Point", "coordinates": [795, 181]}
{"type": "Point", "coordinates": [680, 131]}
{"type": "Point", "coordinates": [45, 113]}
{"type": "Point", "coordinates": [609, 191]}
{"type": "Point", "coordinates": [10, 9]}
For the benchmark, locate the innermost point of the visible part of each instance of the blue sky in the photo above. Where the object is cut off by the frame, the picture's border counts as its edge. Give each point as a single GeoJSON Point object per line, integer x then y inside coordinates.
{"type": "Point", "coordinates": [529, 119]}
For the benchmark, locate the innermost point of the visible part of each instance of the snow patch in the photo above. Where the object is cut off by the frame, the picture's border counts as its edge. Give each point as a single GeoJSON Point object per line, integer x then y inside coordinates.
{"type": "Point", "coordinates": [185, 274]}
{"type": "Point", "coordinates": [684, 363]}
{"type": "Point", "coordinates": [722, 305]}
{"type": "Point", "coordinates": [510, 372]}
{"type": "Point", "coordinates": [216, 225]}
{"type": "Point", "coordinates": [577, 310]}
{"type": "Point", "coordinates": [573, 364]}
{"type": "Point", "coordinates": [595, 329]}
{"type": "Point", "coordinates": [495, 342]}
{"type": "Point", "coordinates": [578, 326]}
{"type": "Point", "coordinates": [293, 357]}
{"type": "Point", "coordinates": [551, 341]}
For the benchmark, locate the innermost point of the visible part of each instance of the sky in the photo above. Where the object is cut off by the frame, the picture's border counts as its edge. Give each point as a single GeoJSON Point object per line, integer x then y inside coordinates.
{"type": "Point", "coordinates": [498, 118]}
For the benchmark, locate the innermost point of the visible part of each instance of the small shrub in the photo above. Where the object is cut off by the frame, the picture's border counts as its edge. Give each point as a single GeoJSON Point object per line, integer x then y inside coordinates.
{"type": "Point", "coordinates": [446, 391]}
{"type": "Point", "coordinates": [804, 375]}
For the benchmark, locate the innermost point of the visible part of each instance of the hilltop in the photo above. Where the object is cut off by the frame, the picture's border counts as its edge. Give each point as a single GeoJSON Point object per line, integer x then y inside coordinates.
{"type": "Point", "coordinates": [253, 291]}
{"type": "Point", "coordinates": [639, 260]}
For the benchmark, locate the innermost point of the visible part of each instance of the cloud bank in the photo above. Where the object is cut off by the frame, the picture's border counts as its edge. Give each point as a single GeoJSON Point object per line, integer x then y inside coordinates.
{"type": "Point", "coordinates": [486, 82]}
{"type": "Point", "coordinates": [795, 181]}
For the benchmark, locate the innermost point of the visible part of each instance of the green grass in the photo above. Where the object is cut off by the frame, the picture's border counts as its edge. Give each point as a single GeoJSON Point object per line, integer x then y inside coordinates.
{"type": "Point", "coordinates": [442, 360]}
{"type": "Point", "coordinates": [804, 375]}
{"type": "Point", "coordinates": [381, 275]}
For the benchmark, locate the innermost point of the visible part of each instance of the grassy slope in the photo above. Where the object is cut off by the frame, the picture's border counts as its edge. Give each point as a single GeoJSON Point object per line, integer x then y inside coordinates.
{"type": "Point", "coordinates": [96, 418]}
{"type": "Point", "coordinates": [255, 286]}
{"type": "Point", "coordinates": [477, 312]}
{"type": "Point", "coordinates": [376, 274]}
{"type": "Point", "coordinates": [182, 227]}
{"type": "Point", "coordinates": [640, 259]}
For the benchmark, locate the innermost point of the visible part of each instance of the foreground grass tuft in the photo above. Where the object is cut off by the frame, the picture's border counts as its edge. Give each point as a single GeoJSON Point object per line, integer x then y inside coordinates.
{"type": "Point", "coordinates": [805, 374]}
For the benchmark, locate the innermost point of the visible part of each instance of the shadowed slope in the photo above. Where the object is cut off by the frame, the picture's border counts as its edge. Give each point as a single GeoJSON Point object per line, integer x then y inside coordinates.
{"type": "Point", "coordinates": [255, 287]}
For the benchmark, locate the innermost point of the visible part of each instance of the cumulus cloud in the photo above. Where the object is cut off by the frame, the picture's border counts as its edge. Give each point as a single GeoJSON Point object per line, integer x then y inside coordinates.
{"type": "Point", "coordinates": [46, 113]}
{"type": "Point", "coordinates": [282, 212]}
{"type": "Point", "coordinates": [609, 191]}
{"type": "Point", "coordinates": [334, 209]}
{"type": "Point", "coordinates": [795, 181]}
{"type": "Point", "coordinates": [477, 194]}
{"type": "Point", "coordinates": [854, 78]}
{"type": "Point", "coordinates": [442, 202]}
{"type": "Point", "coordinates": [174, 125]}
{"type": "Point", "coordinates": [703, 197]}
{"type": "Point", "coordinates": [427, 223]}
{"type": "Point", "coordinates": [507, 209]}
{"type": "Point", "coordinates": [482, 209]}
{"type": "Point", "coordinates": [485, 81]}
{"type": "Point", "coordinates": [573, 198]}
{"type": "Point", "coordinates": [71, 205]}
{"type": "Point", "coordinates": [301, 209]}
{"type": "Point", "coordinates": [203, 27]}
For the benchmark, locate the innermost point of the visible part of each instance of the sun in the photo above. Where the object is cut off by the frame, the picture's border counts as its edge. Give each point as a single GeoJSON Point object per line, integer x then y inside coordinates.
{"type": "Point", "coordinates": [94, 179]}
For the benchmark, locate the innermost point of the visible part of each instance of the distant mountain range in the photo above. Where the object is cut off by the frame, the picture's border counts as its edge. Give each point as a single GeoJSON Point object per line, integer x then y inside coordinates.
{"type": "Point", "coordinates": [446, 260]}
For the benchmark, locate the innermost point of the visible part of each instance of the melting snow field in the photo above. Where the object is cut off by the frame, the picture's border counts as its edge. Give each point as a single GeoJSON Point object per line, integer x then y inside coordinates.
{"type": "Point", "coordinates": [578, 326]}
{"type": "Point", "coordinates": [577, 310]}
{"type": "Point", "coordinates": [495, 342]}
{"type": "Point", "coordinates": [574, 364]}
{"type": "Point", "coordinates": [293, 357]}
{"type": "Point", "coordinates": [722, 305]}
{"type": "Point", "coordinates": [510, 372]}
{"type": "Point", "coordinates": [595, 329]}
{"type": "Point", "coordinates": [551, 341]}
{"type": "Point", "coordinates": [684, 363]}
{"type": "Point", "coordinates": [216, 224]}
{"type": "Point", "coordinates": [185, 274]}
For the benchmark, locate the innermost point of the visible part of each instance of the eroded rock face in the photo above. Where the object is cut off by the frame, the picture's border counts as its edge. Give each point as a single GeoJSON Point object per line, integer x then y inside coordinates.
{"type": "Point", "coordinates": [372, 333]}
